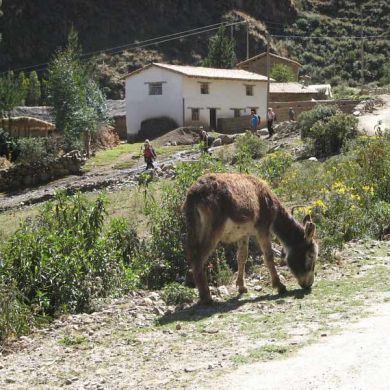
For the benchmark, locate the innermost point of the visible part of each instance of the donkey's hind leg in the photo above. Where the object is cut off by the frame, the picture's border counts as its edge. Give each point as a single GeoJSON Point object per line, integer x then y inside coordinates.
{"type": "Point", "coordinates": [264, 240]}
{"type": "Point", "coordinates": [199, 268]}
{"type": "Point", "coordinates": [242, 256]}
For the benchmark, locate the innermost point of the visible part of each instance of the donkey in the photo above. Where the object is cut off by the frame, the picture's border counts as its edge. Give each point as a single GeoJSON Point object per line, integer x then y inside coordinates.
{"type": "Point", "coordinates": [223, 207]}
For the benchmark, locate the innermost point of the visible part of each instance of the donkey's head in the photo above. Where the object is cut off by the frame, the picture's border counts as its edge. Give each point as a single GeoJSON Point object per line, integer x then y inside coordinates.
{"type": "Point", "coordinates": [301, 258]}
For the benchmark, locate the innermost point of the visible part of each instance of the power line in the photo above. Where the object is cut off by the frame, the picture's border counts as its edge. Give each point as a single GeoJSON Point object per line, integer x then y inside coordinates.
{"type": "Point", "coordinates": [141, 44]}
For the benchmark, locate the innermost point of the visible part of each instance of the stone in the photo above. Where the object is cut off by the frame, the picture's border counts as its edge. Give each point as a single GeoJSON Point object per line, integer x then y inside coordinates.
{"type": "Point", "coordinates": [223, 290]}
{"type": "Point", "coordinates": [217, 142]}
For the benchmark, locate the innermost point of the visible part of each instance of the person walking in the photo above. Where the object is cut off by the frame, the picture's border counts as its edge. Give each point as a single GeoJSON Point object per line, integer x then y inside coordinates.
{"type": "Point", "coordinates": [291, 114]}
{"type": "Point", "coordinates": [149, 154]}
{"type": "Point", "coordinates": [271, 119]}
{"type": "Point", "coordinates": [254, 121]}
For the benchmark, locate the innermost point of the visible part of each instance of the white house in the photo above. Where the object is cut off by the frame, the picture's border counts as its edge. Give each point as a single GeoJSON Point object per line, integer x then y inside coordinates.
{"type": "Point", "coordinates": [192, 95]}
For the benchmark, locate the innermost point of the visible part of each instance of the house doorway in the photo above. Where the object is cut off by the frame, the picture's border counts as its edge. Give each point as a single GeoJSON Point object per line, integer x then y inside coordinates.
{"type": "Point", "coordinates": [213, 119]}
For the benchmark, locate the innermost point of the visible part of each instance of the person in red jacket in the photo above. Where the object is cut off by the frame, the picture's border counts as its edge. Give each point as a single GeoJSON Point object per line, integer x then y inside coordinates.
{"type": "Point", "coordinates": [149, 154]}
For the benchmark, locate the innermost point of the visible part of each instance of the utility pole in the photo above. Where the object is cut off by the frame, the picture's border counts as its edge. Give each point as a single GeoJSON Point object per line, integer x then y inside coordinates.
{"type": "Point", "coordinates": [247, 40]}
{"type": "Point", "coordinates": [361, 46]}
{"type": "Point", "coordinates": [268, 68]}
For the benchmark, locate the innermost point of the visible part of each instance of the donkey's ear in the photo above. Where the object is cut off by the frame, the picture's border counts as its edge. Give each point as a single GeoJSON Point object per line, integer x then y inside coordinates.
{"type": "Point", "coordinates": [306, 219]}
{"type": "Point", "coordinates": [310, 229]}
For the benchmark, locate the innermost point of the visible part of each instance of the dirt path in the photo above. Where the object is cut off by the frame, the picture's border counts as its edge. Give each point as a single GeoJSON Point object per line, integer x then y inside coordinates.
{"type": "Point", "coordinates": [368, 121]}
{"type": "Point", "coordinates": [356, 359]}
{"type": "Point", "coordinates": [138, 342]}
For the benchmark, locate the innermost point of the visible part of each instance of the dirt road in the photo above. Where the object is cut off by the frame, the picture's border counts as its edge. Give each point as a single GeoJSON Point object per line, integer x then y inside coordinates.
{"type": "Point", "coordinates": [369, 120]}
{"type": "Point", "coordinates": [356, 359]}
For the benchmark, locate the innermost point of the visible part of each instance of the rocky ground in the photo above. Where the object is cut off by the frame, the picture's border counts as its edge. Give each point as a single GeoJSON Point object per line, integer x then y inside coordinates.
{"type": "Point", "coordinates": [139, 342]}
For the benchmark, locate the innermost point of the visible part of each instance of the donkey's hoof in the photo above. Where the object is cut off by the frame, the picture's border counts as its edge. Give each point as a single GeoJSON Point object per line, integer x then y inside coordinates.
{"type": "Point", "coordinates": [205, 301]}
{"type": "Point", "coordinates": [282, 289]}
{"type": "Point", "coordinates": [242, 290]}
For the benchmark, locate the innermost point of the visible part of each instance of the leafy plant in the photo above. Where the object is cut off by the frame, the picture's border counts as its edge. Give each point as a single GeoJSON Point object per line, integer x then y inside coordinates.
{"type": "Point", "coordinates": [307, 119]}
{"type": "Point", "coordinates": [176, 294]}
{"type": "Point", "coordinates": [60, 260]}
{"type": "Point", "coordinates": [78, 104]}
{"type": "Point", "coordinates": [282, 73]}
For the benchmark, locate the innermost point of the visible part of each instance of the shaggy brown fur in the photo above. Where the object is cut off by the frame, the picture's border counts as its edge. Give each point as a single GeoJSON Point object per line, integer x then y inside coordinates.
{"type": "Point", "coordinates": [233, 207]}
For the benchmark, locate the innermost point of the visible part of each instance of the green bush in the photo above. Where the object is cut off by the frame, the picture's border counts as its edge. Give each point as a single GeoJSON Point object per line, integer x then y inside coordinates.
{"type": "Point", "coordinates": [282, 73]}
{"type": "Point", "coordinates": [306, 120]}
{"type": "Point", "coordinates": [248, 147]}
{"type": "Point", "coordinates": [330, 135]}
{"type": "Point", "coordinates": [176, 294]}
{"type": "Point", "coordinates": [60, 260]}
{"type": "Point", "coordinates": [15, 316]}
{"type": "Point", "coordinates": [272, 167]}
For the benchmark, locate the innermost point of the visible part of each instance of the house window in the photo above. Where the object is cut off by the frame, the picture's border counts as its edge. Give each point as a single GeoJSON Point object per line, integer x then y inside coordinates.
{"type": "Point", "coordinates": [237, 112]}
{"type": "Point", "coordinates": [195, 114]}
{"type": "Point", "coordinates": [155, 88]}
{"type": "Point", "coordinates": [204, 88]}
{"type": "Point", "coordinates": [249, 90]}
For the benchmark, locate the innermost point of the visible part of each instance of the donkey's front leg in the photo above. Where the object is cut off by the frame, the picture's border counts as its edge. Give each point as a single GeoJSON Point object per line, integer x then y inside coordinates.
{"type": "Point", "coordinates": [242, 255]}
{"type": "Point", "coordinates": [264, 240]}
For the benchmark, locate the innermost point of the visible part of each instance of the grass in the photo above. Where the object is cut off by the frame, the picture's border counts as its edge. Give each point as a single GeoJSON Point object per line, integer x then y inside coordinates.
{"type": "Point", "coordinates": [72, 340]}
{"type": "Point", "coordinates": [126, 156]}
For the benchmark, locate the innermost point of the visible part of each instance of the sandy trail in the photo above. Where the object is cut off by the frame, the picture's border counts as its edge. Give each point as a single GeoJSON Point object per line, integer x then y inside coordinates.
{"type": "Point", "coordinates": [356, 359]}
{"type": "Point", "coordinates": [369, 120]}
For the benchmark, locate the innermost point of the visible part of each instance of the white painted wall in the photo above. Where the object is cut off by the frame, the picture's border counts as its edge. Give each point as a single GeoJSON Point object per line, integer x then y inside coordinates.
{"type": "Point", "coordinates": [140, 105]}
{"type": "Point", "coordinates": [223, 94]}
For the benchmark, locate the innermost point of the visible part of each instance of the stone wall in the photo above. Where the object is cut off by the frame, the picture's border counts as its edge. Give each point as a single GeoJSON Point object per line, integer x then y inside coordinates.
{"type": "Point", "coordinates": [281, 108]}
{"type": "Point", "coordinates": [29, 175]}
{"type": "Point", "coordinates": [233, 125]}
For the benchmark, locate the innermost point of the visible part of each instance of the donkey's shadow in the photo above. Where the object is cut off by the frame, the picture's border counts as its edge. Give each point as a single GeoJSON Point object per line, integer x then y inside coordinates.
{"type": "Point", "coordinates": [198, 312]}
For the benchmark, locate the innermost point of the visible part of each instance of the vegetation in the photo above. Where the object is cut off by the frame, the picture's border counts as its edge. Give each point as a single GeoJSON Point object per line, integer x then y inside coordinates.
{"type": "Point", "coordinates": [221, 51]}
{"type": "Point", "coordinates": [78, 104]}
{"type": "Point", "coordinates": [33, 95]}
{"type": "Point", "coordinates": [11, 95]}
{"type": "Point", "coordinates": [282, 73]}
{"type": "Point", "coordinates": [334, 52]}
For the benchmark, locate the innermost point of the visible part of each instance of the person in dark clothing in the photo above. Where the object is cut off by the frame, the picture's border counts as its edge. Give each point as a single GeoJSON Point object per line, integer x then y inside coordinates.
{"type": "Point", "coordinates": [205, 139]}
{"type": "Point", "coordinates": [291, 114]}
{"type": "Point", "coordinates": [271, 119]}
{"type": "Point", "coordinates": [149, 154]}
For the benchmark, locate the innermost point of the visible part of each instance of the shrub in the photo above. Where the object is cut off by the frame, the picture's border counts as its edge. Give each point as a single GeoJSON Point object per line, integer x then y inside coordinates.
{"type": "Point", "coordinates": [60, 260]}
{"type": "Point", "coordinates": [15, 316]}
{"type": "Point", "coordinates": [282, 73]}
{"type": "Point", "coordinates": [330, 135]}
{"type": "Point", "coordinates": [306, 120]}
{"type": "Point", "coordinates": [273, 166]}
{"type": "Point", "coordinates": [251, 145]}
{"type": "Point", "coordinates": [176, 294]}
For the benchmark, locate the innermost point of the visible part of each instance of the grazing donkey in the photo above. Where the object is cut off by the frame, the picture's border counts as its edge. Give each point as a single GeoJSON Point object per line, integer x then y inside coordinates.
{"type": "Point", "coordinates": [233, 207]}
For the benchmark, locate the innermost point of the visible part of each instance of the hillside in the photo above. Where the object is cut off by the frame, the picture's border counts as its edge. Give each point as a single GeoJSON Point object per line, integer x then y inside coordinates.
{"type": "Point", "coordinates": [339, 58]}
{"type": "Point", "coordinates": [32, 31]}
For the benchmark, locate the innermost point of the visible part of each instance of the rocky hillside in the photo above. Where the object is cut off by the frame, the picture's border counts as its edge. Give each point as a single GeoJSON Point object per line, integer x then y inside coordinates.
{"type": "Point", "coordinates": [32, 31]}
{"type": "Point", "coordinates": [335, 53]}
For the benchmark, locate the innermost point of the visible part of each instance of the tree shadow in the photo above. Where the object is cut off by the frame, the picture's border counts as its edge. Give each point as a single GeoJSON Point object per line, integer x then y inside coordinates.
{"type": "Point", "coordinates": [198, 312]}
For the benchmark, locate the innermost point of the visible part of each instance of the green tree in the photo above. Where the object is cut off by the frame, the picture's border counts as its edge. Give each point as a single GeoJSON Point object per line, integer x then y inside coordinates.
{"type": "Point", "coordinates": [386, 73]}
{"type": "Point", "coordinates": [23, 82]}
{"type": "Point", "coordinates": [78, 103]}
{"type": "Point", "coordinates": [221, 52]}
{"type": "Point", "coordinates": [34, 90]}
{"type": "Point", "coordinates": [11, 95]}
{"type": "Point", "coordinates": [282, 73]}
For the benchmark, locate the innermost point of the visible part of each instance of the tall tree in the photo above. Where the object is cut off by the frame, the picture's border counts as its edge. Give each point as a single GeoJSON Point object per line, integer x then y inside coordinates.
{"type": "Point", "coordinates": [23, 82]}
{"type": "Point", "coordinates": [282, 73]}
{"type": "Point", "coordinates": [34, 90]}
{"type": "Point", "coordinates": [11, 95]}
{"type": "Point", "coordinates": [78, 103]}
{"type": "Point", "coordinates": [221, 51]}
